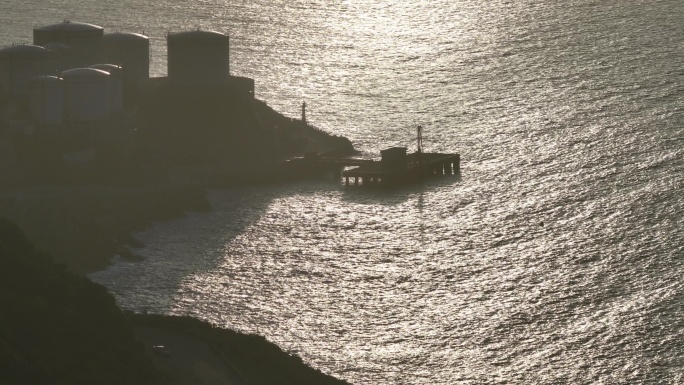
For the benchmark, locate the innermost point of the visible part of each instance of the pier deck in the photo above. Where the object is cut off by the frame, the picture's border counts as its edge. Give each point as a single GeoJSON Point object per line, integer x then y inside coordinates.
{"type": "Point", "coordinates": [417, 166]}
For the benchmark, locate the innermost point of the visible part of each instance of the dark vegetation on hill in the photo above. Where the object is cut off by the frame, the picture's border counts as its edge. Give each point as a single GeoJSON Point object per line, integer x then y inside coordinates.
{"type": "Point", "coordinates": [217, 128]}
{"type": "Point", "coordinates": [257, 360]}
{"type": "Point", "coordinates": [57, 327]}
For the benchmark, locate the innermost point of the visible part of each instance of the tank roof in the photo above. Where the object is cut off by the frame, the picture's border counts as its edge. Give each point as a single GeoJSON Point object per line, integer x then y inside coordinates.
{"type": "Point", "coordinates": [23, 49]}
{"type": "Point", "coordinates": [198, 35]}
{"type": "Point", "coordinates": [70, 26]}
{"type": "Point", "coordinates": [106, 67]}
{"type": "Point", "coordinates": [47, 79]}
{"type": "Point", "coordinates": [57, 46]}
{"type": "Point", "coordinates": [125, 36]}
{"type": "Point", "coordinates": [84, 73]}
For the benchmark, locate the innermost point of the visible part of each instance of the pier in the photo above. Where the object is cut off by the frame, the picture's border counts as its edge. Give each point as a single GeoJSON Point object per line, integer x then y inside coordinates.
{"type": "Point", "coordinates": [313, 165]}
{"type": "Point", "coordinates": [395, 168]}
{"type": "Point", "coordinates": [398, 168]}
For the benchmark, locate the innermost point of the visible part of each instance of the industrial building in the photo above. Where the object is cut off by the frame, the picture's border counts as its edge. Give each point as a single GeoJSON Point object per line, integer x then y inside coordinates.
{"type": "Point", "coordinates": [196, 59]}
{"type": "Point", "coordinates": [75, 74]}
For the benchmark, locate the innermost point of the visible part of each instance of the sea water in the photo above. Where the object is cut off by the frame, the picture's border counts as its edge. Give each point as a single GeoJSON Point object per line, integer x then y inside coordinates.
{"type": "Point", "coordinates": [555, 257]}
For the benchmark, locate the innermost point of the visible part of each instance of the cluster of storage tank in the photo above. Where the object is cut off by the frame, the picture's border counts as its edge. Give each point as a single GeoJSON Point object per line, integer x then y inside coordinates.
{"type": "Point", "coordinates": [64, 79]}
{"type": "Point", "coordinates": [63, 76]}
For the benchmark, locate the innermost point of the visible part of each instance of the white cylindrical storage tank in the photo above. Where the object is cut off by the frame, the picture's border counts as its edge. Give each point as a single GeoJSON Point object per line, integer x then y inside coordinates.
{"type": "Point", "coordinates": [131, 51]}
{"type": "Point", "coordinates": [198, 58]}
{"type": "Point", "coordinates": [84, 39]}
{"type": "Point", "coordinates": [46, 100]}
{"type": "Point", "coordinates": [61, 57]}
{"type": "Point", "coordinates": [19, 64]}
{"type": "Point", "coordinates": [116, 81]}
{"type": "Point", "coordinates": [86, 94]}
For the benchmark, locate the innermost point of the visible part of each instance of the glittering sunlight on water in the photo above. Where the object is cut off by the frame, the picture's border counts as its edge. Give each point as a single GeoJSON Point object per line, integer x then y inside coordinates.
{"type": "Point", "coordinates": [556, 256]}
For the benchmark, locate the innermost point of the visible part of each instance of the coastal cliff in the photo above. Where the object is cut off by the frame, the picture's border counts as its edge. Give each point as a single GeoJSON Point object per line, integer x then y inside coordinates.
{"type": "Point", "coordinates": [57, 327]}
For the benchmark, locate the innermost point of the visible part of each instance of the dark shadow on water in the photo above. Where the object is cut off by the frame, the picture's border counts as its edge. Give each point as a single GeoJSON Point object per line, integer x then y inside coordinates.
{"type": "Point", "coordinates": [200, 242]}
{"type": "Point", "coordinates": [396, 195]}
{"type": "Point", "coordinates": [375, 196]}
{"type": "Point", "coordinates": [195, 244]}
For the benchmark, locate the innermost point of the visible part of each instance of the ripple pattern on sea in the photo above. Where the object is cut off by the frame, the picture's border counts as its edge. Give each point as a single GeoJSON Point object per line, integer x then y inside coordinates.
{"type": "Point", "coordinates": [555, 257]}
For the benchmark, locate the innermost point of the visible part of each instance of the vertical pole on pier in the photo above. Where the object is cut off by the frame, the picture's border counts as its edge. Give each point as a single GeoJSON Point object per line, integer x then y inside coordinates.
{"type": "Point", "coordinates": [346, 180]}
{"type": "Point", "coordinates": [356, 180]}
{"type": "Point", "coordinates": [304, 112]}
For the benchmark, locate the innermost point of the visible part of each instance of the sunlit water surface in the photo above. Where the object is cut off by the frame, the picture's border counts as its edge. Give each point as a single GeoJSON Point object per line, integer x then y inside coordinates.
{"type": "Point", "coordinates": [556, 257]}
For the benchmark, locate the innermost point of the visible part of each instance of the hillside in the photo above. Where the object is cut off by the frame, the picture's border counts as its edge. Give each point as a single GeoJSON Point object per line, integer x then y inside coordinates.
{"type": "Point", "coordinates": [57, 327]}
{"type": "Point", "coordinates": [215, 128]}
